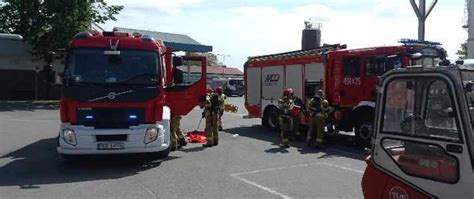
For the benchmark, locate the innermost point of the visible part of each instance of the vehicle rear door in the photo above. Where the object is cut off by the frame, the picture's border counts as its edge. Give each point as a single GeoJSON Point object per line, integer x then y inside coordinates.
{"type": "Point", "coordinates": [420, 138]}
{"type": "Point", "coordinates": [183, 96]}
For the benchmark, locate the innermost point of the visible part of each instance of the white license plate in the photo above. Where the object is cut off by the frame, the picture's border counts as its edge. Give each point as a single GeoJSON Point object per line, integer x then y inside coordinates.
{"type": "Point", "coordinates": [110, 146]}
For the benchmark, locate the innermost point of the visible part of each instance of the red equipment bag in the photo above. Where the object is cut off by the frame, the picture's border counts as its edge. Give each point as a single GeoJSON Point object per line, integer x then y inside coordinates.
{"type": "Point", "coordinates": [197, 137]}
{"type": "Point", "coordinates": [296, 111]}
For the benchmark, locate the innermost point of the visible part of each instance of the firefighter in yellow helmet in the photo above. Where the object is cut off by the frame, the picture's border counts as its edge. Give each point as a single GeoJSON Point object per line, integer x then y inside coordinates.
{"type": "Point", "coordinates": [222, 98]}
{"type": "Point", "coordinates": [319, 110]}
{"type": "Point", "coordinates": [210, 103]}
{"type": "Point", "coordinates": [286, 119]}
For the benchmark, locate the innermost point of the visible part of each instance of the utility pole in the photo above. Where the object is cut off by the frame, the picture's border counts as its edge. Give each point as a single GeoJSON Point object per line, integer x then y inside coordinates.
{"type": "Point", "coordinates": [469, 24]}
{"type": "Point", "coordinates": [422, 13]}
{"type": "Point", "coordinates": [223, 57]}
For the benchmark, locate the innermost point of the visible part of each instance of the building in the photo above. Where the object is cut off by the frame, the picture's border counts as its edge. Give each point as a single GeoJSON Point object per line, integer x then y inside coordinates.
{"type": "Point", "coordinates": [193, 73]}
{"type": "Point", "coordinates": [21, 73]}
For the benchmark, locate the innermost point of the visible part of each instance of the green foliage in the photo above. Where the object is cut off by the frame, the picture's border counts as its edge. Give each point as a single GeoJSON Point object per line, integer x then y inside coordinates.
{"type": "Point", "coordinates": [462, 51]}
{"type": "Point", "coordinates": [211, 58]}
{"type": "Point", "coordinates": [48, 25]}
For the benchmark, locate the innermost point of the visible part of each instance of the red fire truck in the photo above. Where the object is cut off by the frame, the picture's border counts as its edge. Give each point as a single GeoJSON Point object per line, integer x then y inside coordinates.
{"type": "Point", "coordinates": [423, 135]}
{"type": "Point", "coordinates": [119, 93]}
{"type": "Point", "coordinates": [347, 78]}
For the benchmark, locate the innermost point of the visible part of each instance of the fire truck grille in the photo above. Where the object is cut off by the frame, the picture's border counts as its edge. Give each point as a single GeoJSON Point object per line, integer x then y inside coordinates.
{"type": "Point", "coordinates": [110, 118]}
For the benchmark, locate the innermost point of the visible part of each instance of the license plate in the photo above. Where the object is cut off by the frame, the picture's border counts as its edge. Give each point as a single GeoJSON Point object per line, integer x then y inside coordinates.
{"type": "Point", "coordinates": [110, 146]}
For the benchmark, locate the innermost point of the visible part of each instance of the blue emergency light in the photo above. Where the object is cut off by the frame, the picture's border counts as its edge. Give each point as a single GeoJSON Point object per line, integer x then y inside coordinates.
{"type": "Point", "coordinates": [132, 116]}
{"type": "Point", "coordinates": [89, 117]}
{"type": "Point", "coordinates": [418, 42]}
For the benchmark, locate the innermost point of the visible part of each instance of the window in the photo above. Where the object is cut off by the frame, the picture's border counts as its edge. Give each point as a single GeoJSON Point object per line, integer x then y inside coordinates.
{"type": "Point", "coordinates": [439, 111]}
{"type": "Point", "coordinates": [380, 65]}
{"type": "Point", "coordinates": [351, 66]}
{"type": "Point", "coordinates": [399, 104]}
{"type": "Point", "coordinates": [468, 76]}
{"type": "Point", "coordinates": [421, 108]}
{"type": "Point", "coordinates": [130, 66]}
{"type": "Point", "coordinates": [422, 160]}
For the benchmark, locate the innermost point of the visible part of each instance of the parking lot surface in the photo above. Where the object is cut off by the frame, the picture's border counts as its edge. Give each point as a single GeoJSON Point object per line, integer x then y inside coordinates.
{"type": "Point", "coordinates": [248, 163]}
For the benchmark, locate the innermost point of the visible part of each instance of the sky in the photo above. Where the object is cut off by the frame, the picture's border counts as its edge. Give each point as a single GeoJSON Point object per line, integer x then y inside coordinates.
{"type": "Point", "coordinates": [243, 28]}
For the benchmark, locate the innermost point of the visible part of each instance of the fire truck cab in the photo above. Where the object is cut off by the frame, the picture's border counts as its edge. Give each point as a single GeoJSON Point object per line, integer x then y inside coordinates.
{"type": "Point", "coordinates": [119, 93]}
{"type": "Point", "coordinates": [423, 141]}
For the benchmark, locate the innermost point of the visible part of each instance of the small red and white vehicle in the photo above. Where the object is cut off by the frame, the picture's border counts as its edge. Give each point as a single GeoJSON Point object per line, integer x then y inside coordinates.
{"type": "Point", "coordinates": [423, 135]}
{"type": "Point", "coordinates": [348, 78]}
{"type": "Point", "coordinates": [119, 93]}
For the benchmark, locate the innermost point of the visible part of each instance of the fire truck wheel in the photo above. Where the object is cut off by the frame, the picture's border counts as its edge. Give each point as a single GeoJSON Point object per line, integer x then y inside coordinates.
{"type": "Point", "coordinates": [363, 133]}
{"type": "Point", "coordinates": [270, 118]}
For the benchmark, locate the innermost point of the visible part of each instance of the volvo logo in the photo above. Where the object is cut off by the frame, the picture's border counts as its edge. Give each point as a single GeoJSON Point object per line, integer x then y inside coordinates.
{"type": "Point", "coordinates": [111, 96]}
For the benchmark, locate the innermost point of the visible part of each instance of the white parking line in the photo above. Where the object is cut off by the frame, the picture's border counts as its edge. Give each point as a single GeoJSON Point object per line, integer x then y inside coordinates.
{"type": "Point", "coordinates": [343, 168]}
{"type": "Point", "coordinates": [261, 187]}
{"type": "Point", "coordinates": [238, 175]}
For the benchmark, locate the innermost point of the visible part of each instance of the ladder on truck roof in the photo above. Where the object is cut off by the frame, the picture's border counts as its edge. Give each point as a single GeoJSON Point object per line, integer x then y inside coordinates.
{"type": "Point", "coordinates": [298, 53]}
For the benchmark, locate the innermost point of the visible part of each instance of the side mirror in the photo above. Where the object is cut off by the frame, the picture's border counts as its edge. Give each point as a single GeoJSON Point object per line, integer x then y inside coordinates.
{"type": "Point", "coordinates": [177, 61]}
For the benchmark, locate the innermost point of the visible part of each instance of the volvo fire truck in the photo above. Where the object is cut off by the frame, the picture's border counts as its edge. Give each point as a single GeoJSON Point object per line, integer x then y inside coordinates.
{"type": "Point", "coordinates": [119, 94]}
{"type": "Point", "coordinates": [347, 77]}
{"type": "Point", "coordinates": [423, 135]}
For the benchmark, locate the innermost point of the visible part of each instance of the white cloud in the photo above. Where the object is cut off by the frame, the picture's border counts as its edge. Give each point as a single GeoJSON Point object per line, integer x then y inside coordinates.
{"type": "Point", "coordinates": [172, 7]}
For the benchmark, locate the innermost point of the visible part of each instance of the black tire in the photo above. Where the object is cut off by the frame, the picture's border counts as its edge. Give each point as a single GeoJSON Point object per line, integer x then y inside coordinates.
{"type": "Point", "coordinates": [270, 118]}
{"type": "Point", "coordinates": [364, 132]}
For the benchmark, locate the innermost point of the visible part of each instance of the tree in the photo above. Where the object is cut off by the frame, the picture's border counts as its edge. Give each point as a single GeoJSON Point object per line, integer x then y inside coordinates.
{"type": "Point", "coordinates": [211, 58]}
{"type": "Point", "coordinates": [462, 52]}
{"type": "Point", "coordinates": [48, 25]}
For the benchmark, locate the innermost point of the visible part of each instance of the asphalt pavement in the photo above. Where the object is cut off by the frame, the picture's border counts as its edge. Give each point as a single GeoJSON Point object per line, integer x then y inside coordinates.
{"type": "Point", "coordinates": [248, 163]}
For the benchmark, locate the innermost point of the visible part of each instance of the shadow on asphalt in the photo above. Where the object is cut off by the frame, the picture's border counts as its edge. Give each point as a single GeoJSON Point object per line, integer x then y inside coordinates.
{"type": "Point", "coordinates": [39, 163]}
{"type": "Point", "coordinates": [339, 145]}
{"type": "Point", "coordinates": [27, 106]}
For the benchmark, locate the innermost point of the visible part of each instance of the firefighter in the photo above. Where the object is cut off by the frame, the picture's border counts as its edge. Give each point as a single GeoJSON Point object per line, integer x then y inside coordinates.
{"type": "Point", "coordinates": [286, 119]}
{"type": "Point", "coordinates": [178, 139]}
{"type": "Point", "coordinates": [319, 110]}
{"type": "Point", "coordinates": [210, 103]}
{"type": "Point", "coordinates": [222, 98]}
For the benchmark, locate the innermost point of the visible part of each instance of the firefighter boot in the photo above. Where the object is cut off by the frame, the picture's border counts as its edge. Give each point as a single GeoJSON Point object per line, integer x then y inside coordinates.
{"type": "Point", "coordinates": [215, 135]}
{"type": "Point", "coordinates": [284, 139]}
{"type": "Point", "coordinates": [209, 130]}
{"type": "Point", "coordinates": [219, 121]}
{"type": "Point", "coordinates": [320, 123]}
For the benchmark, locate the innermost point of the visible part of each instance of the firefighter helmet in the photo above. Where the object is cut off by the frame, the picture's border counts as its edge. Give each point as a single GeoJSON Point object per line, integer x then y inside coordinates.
{"type": "Point", "coordinates": [209, 90]}
{"type": "Point", "coordinates": [288, 92]}
{"type": "Point", "coordinates": [219, 90]}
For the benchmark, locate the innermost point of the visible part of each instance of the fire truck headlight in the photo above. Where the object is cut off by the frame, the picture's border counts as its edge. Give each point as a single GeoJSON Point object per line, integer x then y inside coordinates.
{"type": "Point", "coordinates": [69, 137]}
{"type": "Point", "coordinates": [151, 135]}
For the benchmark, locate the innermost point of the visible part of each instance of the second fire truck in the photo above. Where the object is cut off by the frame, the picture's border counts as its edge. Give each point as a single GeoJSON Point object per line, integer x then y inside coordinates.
{"type": "Point", "coordinates": [348, 78]}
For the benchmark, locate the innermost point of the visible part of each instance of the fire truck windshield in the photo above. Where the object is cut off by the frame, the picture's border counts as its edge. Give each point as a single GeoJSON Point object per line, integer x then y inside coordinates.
{"type": "Point", "coordinates": [126, 67]}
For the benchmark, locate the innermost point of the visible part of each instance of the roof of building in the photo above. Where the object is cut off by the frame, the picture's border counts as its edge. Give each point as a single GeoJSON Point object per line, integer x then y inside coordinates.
{"type": "Point", "coordinates": [6, 36]}
{"type": "Point", "coordinates": [213, 70]}
{"type": "Point", "coordinates": [178, 42]}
